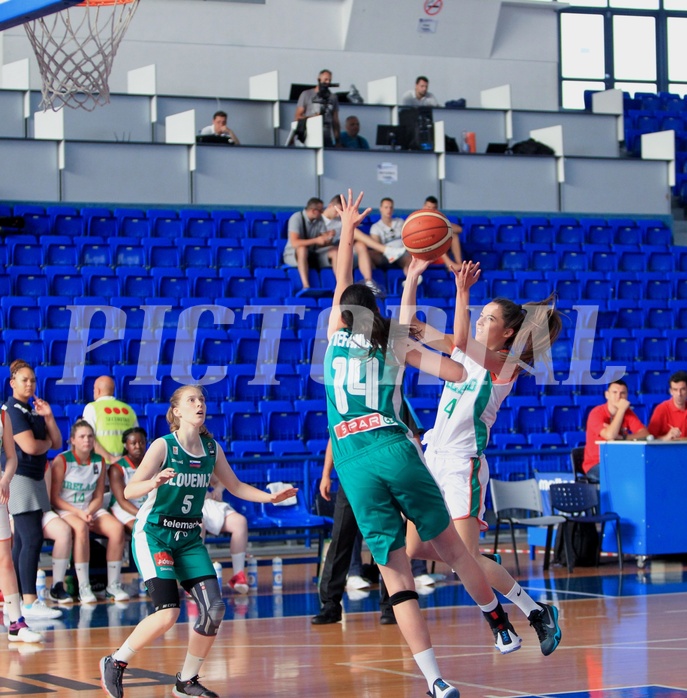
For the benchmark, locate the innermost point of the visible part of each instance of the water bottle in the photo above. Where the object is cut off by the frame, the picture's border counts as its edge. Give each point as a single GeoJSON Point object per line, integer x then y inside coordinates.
{"type": "Point", "coordinates": [252, 572]}
{"type": "Point", "coordinates": [41, 591]}
{"type": "Point", "coordinates": [218, 571]}
{"type": "Point", "coordinates": [142, 588]}
{"type": "Point", "coordinates": [465, 146]}
{"type": "Point", "coordinates": [277, 574]}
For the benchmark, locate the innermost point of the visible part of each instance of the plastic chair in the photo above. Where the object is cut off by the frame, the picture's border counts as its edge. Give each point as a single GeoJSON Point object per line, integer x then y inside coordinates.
{"type": "Point", "coordinates": [519, 503]}
{"type": "Point", "coordinates": [578, 502]}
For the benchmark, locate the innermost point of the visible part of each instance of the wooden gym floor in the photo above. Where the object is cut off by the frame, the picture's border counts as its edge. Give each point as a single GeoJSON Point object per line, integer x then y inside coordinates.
{"type": "Point", "coordinates": [624, 636]}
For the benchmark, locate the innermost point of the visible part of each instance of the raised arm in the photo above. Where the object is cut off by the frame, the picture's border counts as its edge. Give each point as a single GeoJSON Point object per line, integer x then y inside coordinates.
{"type": "Point", "coordinates": [148, 475]}
{"type": "Point", "coordinates": [429, 335]}
{"type": "Point", "coordinates": [351, 218]}
{"type": "Point", "coordinates": [466, 277]}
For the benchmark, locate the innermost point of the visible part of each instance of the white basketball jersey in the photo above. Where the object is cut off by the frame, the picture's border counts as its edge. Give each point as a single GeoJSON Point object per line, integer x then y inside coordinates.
{"type": "Point", "coordinates": [466, 412]}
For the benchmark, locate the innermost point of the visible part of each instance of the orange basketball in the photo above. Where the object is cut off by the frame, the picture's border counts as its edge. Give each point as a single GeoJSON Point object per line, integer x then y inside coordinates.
{"type": "Point", "coordinates": [427, 234]}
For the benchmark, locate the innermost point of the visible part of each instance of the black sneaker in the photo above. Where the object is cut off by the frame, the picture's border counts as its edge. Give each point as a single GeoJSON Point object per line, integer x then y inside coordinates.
{"type": "Point", "coordinates": [441, 689]}
{"type": "Point", "coordinates": [545, 623]}
{"type": "Point", "coordinates": [59, 594]}
{"type": "Point", "coordinates": [111, 672]}
{"type": "Point", "coordinates": [330, 613]}
{"type": "Point", "coordinates": [506, 640]}
{"type": "Point", "coordinates": [192, 687]}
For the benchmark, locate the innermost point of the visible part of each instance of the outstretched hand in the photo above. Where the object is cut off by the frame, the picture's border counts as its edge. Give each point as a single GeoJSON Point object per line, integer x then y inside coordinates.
{"type": "Point", "coordinates": [284, 494]}
{"type": "Point", "coordinates": [349, 210]}
{"type": "Point", "coordinates": [467, 275]}
{"type": "Point", "coordinates": [417, 266]}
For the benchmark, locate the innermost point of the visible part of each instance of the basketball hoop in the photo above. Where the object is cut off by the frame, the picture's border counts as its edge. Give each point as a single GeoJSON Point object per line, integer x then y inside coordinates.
{"type": "Point", "coordinates": [75, 49]}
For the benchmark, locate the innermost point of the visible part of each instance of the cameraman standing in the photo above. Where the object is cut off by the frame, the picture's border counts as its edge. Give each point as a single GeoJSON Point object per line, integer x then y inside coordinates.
{"type": "Point", "coordinates": [320, 101]}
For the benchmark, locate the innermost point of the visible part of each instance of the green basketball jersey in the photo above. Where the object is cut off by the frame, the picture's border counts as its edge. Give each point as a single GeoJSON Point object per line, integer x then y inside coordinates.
{"type": "Point", "coordinates": [364, 396]}
{"type": "Point", "coordinates": [178, 504]}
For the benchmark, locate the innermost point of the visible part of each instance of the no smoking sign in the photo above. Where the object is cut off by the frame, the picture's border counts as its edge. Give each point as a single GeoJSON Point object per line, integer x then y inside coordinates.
{"type": "Point", "coordinates": [433, 7]}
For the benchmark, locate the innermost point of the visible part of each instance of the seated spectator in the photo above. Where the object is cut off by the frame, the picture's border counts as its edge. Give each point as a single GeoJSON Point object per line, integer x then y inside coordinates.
{"type": "Point", "coordinates": [219, 516]}
{"type": "Point", "coordinates": [310, 242]}
{"type": "Point", "coordinates": [613, 421]}
{"type": "Point", "coordinates": [361, 247]}
{"type": "Point", "coordinates": [321, 101]}
{"type": "Point", "coordinates": [219, 127]}
{"type": "Point", "coordinates": [669, 419]}
{"type": "Point", "coordinates": [387, 231]}
{"type": "Point", "coordinates": [350, 138]}
{"type": "Point", "coordinates": [78, 486]}
{"type": "Point", "coordinates": [59, 532]}
{"type": "Point", "coordinates": [120, 473]}
{"type": "Point", "coordinates": [432, 204]}
{"type": "Point", "coordinates": [419, 97]}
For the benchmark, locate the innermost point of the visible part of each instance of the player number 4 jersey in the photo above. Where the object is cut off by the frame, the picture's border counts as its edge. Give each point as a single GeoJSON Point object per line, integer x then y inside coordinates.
{"type": "Point", "coordinates": [467, 411]}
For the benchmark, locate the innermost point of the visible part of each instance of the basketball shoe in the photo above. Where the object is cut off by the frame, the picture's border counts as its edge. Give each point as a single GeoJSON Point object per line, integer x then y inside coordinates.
{"type": "Point", "coordinates": [192, 687]}
{"type": "Point", "coordinates": [111, 673]}
{"type": "Point", "coordinates": [545, 623]}
{"type": "Point", "coordinates": [441, 689]}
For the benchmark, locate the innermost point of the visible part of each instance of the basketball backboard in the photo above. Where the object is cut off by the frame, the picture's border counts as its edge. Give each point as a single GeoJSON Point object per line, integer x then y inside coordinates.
{"type": "Point", "coordinates": [16, 12]}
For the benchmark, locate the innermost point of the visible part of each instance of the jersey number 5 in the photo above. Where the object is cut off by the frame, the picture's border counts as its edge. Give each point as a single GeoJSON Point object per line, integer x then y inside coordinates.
{"type": "Point", "coordinates": [347, 381]}
{"type": "Point", "coordinates": [188, 504]}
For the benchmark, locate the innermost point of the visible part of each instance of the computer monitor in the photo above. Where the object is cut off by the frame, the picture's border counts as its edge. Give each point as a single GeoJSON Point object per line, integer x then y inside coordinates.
{"type": "Point", "coordinates": [397, 137]}
{"type": "Point", "coordinates": [420, 123]}
{"type": "Point", "coordinates": [296, 90]}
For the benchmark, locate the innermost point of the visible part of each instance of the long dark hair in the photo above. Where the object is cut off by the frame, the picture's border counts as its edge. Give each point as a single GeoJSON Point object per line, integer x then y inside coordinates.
{"type": "Point", "coordinates": [360, 314]}
{"type": "Point", "coordinates": [539, 321]}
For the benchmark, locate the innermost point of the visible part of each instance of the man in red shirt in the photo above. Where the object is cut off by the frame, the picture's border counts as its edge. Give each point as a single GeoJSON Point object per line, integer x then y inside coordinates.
{"type": "Point", "coordinates": [614, 421]}
{"type": "Point", "coordinates": [669, 420]}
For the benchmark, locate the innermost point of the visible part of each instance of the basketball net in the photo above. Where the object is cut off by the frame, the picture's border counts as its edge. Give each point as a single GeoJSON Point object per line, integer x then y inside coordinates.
{"type": "Point", "coordinates": [75, 49]}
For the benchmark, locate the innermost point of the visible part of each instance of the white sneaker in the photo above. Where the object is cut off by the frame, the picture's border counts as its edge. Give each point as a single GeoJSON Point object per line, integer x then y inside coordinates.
{"type": "Point", "coordinates": [39, 611]}
{"type": "Point", "coordinates": [424, 580]}
{"type": "Point", "coordinates": [115, 591]}
{"type": "Point", "coordinates": [357, 594]}
{"type": "Point", "coordinates": [20, 632]}
{"type": "Point", "coordinates": [355, 581]}
{"type": "Point", "coordinates": [86, 594]}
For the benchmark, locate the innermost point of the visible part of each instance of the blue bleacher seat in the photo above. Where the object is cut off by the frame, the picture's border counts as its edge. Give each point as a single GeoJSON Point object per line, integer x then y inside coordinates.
{"type": "Point", "coordinates": [59, 249]}
{"type": "Point", "coordinates": [531, 418]}
{"type": "Point", "coordinates": [99, 221]}
{"type": "Point", "coordinates": [131, 389]}
{"type": "Point", "coordinates": [655, 381]}
{"type": "Point", "coordinates": [171, 283]}
{"type": "Point", "coordinates": [262, 253]}
{"type": "Point", "coordinates": [574, 261]}
{"type": "Point", "coordinates": [24, 344]}
{"type": "Point", "coordinates": [92, 251]}
{"type": "Point", "coordinates": [136, 282]}
{"type": "Point", "coordinates": [54, 391]}
{"type": "Point", "coordinates": [245, 384]}
{"type": "Point", "coordinates": [315, 425]}
{"type": "Point", "coordinates": [630, 289]}
{"type": "Point", "coordinates": [566, 418]}
{"type": "Point", "coordinates": [598, 289]}
{"type": "Point", "coordinates": [28, 280]}
{"type": "Point", "coordinates": [165, 223]}
{"type": "Point", "coordinates": [65, 281]}
{"type": "Point", "coordinates": [21, 313]}
{"type": "Point", "coordinates": [195, 254]}
{"type": "Point", "coordinates": [658, 289]}
{"type": "Point", "coordinates": [101, 281]}
{"type": "Point", "coordinates": [162, 253]}
{"type": "Point", "coordinates": [256, 220]}
{"type": "Point", "coordinates": [54, 311]}
{"type": "Point", "coordinates": [568, 230]}
{"type": "Point", "coordinates": [478, 233]}
{"type": "Point", "coordinates": [659, 318]}
{"type": "Point", "coordinates": [65, 220]}
{"type": "Point", "coordinates": [239, 284]}
{"type": "Point", "coordinates": [508, 229]}
{"type": "Point", "coordinates": [597, 231]}
{"type": "Point", "coordinates": [36, 220]}
{"type": "Point", "coordinates": [197, 223]}
{"type": "Point", "coordinates": [132, 222]}
{"type": "Point", "coordinates": [25, 251]}
{"type": "Point", "coordinates": [246, 425]}
{"type": "Point", "coordinates": [663, 262]}
{"type": "Point", "coordinates": [655, 232]}
{"type": "Point", "coordinates": [514, 260]}
{"type": "Point", "coordinates": [281, 424]}
{"type": "Point", "coordinates": [128, 253]}
{"type": "Point", "coordinates": [629, 317]}
{"type": "Point", "coordinates": [538, 230]}
{"type": "Point", "coordinates": [626, 231]}
{"type": "Point", "coordinates": [604, 261]}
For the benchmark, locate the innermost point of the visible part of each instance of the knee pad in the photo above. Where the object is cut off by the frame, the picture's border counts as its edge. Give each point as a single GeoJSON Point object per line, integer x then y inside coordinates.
{"type": "Point", "coordinates": [403, 596]}
{"type": "Point", "coordinates": [164, 593]}
{"type": "Point", "coordinates": [211, 608]}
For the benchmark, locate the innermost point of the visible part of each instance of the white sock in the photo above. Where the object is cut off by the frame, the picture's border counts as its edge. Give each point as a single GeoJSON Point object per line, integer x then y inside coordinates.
{"type": "Point", "coordinates": [427, 663]}
{"type": "Point", "coordinates": [191, 667]}
{"type": "Point", "coordinates": [490, 606]}
{"type": "Point", "coordinates": [82, 573]}
{"type": "Point", "coordinates": [13, 607]}
{"type": "Point", "coordinates": [114, 572]}
{"type": "Point", "coordinates": [125, 653]}
{"type": "Point", "coordinates": [59, 570]}
{"type": "Point", "coordinates": [522, 600]}
{"type": "Point", "coordinates": [238, 562]}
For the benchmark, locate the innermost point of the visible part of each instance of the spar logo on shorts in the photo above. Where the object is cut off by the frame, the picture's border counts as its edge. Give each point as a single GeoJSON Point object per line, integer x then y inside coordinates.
{"type": "Point", "coordinates": [358, 425]}
{"type": "Point", "coordinates": [163, 559]}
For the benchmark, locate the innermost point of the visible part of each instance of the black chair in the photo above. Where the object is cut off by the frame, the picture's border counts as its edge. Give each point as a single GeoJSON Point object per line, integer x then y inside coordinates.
{"type": "Point", "coordinates": [578, 502]}
{"type": "Point", "coordinates": [576, 460]}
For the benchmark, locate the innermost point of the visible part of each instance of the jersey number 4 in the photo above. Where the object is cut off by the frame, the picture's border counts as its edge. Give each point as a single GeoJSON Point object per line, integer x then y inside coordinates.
{"type": "Point", "coordinates": [347, 381]}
